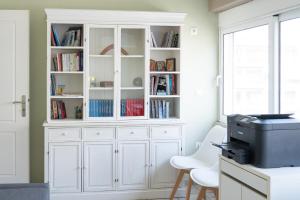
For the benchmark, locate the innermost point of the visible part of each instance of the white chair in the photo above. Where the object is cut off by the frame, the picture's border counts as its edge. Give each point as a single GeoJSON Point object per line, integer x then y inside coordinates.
{"type": "Point", "coordinates": [205, 157]}
{"type": "Point", "coordinates": [208, 179]}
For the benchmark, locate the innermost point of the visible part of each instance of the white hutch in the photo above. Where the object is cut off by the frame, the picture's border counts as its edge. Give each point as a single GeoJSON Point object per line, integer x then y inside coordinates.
{"type": "Point", "coordinates": [112, 122]}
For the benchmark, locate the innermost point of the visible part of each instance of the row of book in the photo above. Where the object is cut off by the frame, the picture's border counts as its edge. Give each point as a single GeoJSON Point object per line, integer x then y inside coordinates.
{"type": "Point", "coordinates": [72, 37]}
{"type": "Point", "coordinates": [163, 84]}
{"type": "Point", "coordinates": [65, 62]}
{"type": "Point", "coordinates": [101, 108]}
{"type": "Point", "coordinates": [58, 110]}
{"type": "Point", "coordinates": [170, 39]}
{"type": "Point", "coordinates": [159, 109]}
{"type": "Point", "coordinates": [53, 84]}
{"type": "Point", "coordinates": [132, 107]}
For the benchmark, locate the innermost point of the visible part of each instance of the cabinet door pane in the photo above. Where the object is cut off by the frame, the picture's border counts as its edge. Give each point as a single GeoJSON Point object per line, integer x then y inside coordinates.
{"type": "Point", "coordinates": [99, 166]}
{"type": "Point", "coordinates": [162, 173]}
{"type": "Point", "coordinates": [65, 167]}
{"type": "Point", "coordinates": [133, 165]}
{"type": "Point", "coordinates": [101, 65]}
{"type": "Point", "coordinates": [133, 45]}
{"type": "Point", "coordinates": [230, 189]}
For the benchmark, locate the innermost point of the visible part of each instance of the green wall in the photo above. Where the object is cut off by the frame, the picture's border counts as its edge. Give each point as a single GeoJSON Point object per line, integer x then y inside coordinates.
{"type": "Point", "coordinates": [198, 74]}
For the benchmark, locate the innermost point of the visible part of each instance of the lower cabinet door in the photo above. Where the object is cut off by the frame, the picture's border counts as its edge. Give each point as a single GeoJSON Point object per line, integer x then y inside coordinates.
{"type": "Point", "coordinates": [162, 173]}
{"type": "Point", "coordinates": [248, 194]}
{"type": "Point", "coordinates": [133, 165]}
{"type": "Point", "coordinates": [99, 166]}
{"type": "Point", "coordinates": [230, 189]}
{"type": "Point", "coordinates": [65, 167]}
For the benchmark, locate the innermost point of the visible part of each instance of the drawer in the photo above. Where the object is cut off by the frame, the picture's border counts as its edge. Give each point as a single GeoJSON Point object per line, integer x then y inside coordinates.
{"type": "Point", "coordinates": [166, 132]}
{"type": "Point", "coordinates": [244, 176]}
{"type": "Point", "coordinates": [64, 134]}
{"type": "Point", "coordinates": [136, 133]}
{"type": "Point", "coordinates": [98, 133]}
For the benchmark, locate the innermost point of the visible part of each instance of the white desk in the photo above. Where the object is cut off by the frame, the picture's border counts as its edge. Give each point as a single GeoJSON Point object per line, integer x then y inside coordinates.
{"type": "Point", "coordinates": [245, 182]}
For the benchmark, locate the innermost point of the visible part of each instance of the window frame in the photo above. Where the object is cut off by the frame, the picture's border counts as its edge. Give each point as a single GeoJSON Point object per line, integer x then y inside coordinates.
{"type": "Point", "coordinates": [273, 82]}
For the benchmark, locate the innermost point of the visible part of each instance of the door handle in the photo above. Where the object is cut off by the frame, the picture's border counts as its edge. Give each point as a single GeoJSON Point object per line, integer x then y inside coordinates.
{"type": "Point", "coordinates": [23, 104]}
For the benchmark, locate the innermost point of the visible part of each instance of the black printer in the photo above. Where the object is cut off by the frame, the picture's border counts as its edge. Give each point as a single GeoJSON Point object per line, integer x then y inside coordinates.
{"type": "Point", "coordinates": [265, 141]}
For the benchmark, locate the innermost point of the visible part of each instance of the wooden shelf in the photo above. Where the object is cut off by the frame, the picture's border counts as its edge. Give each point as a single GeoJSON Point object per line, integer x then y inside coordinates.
{"type": "Point", "coordinates": [59, 72]}
{"type": "Point", "coordinates": [132, 88]}
{"type": "Point", "coordinates": [163, 72]}
{"type": "Point", "coordinates": [67, 97]}
{"type": "Point", "coordinates": [164, 96]}
{"type": "Point", "coordinates": [101, 88]}
{"type": "Point", "coordinates": [165, 49]}
{"type": "Point", "coordinates": [66, 47]}
{"type": "Point", "coordinates": [132, 56]}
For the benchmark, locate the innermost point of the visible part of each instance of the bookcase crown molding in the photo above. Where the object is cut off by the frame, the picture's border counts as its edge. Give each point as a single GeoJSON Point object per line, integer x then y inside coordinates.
{"type": "Point", "coordinates": [114, 16]}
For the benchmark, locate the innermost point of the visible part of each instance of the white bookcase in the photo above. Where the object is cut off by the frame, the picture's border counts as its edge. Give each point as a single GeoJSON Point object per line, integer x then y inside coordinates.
{"type": "Point", "coordinates": [113, 96]}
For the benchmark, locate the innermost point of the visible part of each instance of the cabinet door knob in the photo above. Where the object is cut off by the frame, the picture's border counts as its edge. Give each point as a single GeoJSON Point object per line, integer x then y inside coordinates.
{"type": "Point", "coordinates": [98, 133]}
{"type": "Point", "coordinates": [165, 132]}
{"type": "Point", "coordinates": [131, 132]}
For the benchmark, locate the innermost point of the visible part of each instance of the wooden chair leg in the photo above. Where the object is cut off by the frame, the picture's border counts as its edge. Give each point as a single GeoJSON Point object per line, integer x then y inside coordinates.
{"type": "Point", "coordinates": [202, 194]}
{"type": "Point", "coordinates": [216, 192]}
{"type": "Point", "coordinates": [178, 181]}
{"type": "Point", "coordinates": [188, 189]}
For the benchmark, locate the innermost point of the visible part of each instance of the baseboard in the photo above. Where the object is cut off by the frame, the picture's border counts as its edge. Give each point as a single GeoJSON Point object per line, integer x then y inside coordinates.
{"type": "Point", "coordinates": [119, 195]}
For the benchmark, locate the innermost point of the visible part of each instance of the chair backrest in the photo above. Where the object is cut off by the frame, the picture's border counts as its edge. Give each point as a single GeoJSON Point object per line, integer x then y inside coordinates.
{"type": "Point", "coordinates": [208, 153]}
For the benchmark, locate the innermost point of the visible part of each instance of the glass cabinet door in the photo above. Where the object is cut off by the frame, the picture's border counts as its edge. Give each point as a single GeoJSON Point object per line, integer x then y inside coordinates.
{"type": "Point", "coordinates": [101, 72]}
{"type": "Point", "coordinates": [132, 71]}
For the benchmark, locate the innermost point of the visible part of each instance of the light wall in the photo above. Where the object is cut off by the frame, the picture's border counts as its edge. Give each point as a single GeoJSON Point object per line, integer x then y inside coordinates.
{"type": "Point", "coordinates": [199, 71]}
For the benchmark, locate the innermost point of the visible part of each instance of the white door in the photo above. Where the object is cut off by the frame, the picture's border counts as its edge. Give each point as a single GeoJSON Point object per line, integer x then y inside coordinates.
{"type": "Point", "coordinates": [14, 87]}
{"type": "Point", "coordinates": [99, 166]}
{"type": "Point", "coordinates": [133, 165]}
{"type": "Point", "coordinates": [65, 167]}
{"type": "Point", "coordinates": [162, 174]}
{"type": "Point", "coordinates": [230, 189]}
{"type": "Point", "coordinates": [248, 194]}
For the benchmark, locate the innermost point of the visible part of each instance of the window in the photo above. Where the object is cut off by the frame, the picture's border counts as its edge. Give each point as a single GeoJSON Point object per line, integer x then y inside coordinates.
{"type": "Point", "coordinates": [260, 67]}
{"type": "Point", "coordinates": [246, 71]}
{"type": "Point", "coordinates": [290, 66]}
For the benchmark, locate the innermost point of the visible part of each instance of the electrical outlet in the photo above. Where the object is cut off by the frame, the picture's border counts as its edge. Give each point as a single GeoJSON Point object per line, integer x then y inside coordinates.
{"type": "Point", "coordinates": [194, 31]}
{"type": "Point", "coordinates": [198, 144]}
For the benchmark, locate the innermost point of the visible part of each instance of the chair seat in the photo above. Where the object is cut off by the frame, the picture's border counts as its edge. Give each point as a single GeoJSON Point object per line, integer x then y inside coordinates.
{"type": "Point", "coordinates": [186, 162]}
{"type": "Point", "coordinates": [206, 177]}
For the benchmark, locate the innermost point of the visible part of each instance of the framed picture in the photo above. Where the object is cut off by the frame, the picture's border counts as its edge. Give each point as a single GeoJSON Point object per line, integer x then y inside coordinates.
{"type": "Point", "coordinates": [171, 63]}
{"type": "Point", "coordinates": [152, 65]}
{"type": "Point", "coordinates": [160, 66]}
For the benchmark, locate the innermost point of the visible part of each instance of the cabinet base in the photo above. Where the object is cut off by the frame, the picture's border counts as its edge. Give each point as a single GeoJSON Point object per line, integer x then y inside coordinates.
{"type": "Point", "coordinates": [119, 195]}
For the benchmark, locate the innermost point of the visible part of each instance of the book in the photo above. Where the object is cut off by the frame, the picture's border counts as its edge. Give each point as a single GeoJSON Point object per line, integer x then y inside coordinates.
{"type": "Point", "coordinates": [153, 41]}
{"type": "Point", "coordinates": [152, 65]}
{"type": "Point", "coordinates": [159, 109]}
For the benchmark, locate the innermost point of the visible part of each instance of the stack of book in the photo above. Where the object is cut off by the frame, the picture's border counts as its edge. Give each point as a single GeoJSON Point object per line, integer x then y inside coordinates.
{"type": "Point", "coordinates": [58, 110]}
{"type": "Point", "coordinates": [53, 84]}
{"type": "Point", "coordinates": [159, 109]}
{"type": "Point", "coordinates": [163, 84]}
{"type": "Point", "coordinates": [170, 39]}
{"type": "Point", "coordinates": [72, 37]}
{"type": "Point", "coordinates": [101, 108]}
{"type": "Point", "coordinates": [132, 107]}
{"type": "Point", "coordinates": [68, 62]}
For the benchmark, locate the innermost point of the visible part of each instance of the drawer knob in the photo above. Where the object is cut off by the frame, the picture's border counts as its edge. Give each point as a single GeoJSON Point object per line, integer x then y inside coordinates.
{"type": "Point", "coordinates": [63, 134]}
{"type": "Point", "coordinates": [98, 133]}
{"type": "Point", "coordinates": [165, 132]}
{"type": "Point", "coordinates": [131, 132]}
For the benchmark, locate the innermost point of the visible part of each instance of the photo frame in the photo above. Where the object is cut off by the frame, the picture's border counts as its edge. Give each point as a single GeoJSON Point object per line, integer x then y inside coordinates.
{"type": "Point", "coordinates": [170, 64]}
{"type": "Point", "coordinates": [160, 65]}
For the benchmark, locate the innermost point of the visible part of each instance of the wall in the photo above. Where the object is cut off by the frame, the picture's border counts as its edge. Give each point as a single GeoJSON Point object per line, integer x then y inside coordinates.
{"type": "Point", "coordinates": [199, 106]}
{"type": "Point", "coordinates": [255, 9]}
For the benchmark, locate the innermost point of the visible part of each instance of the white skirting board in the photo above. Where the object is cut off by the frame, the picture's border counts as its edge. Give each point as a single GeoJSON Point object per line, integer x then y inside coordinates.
{"type": "Point", "coordinates": [118, 195]}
